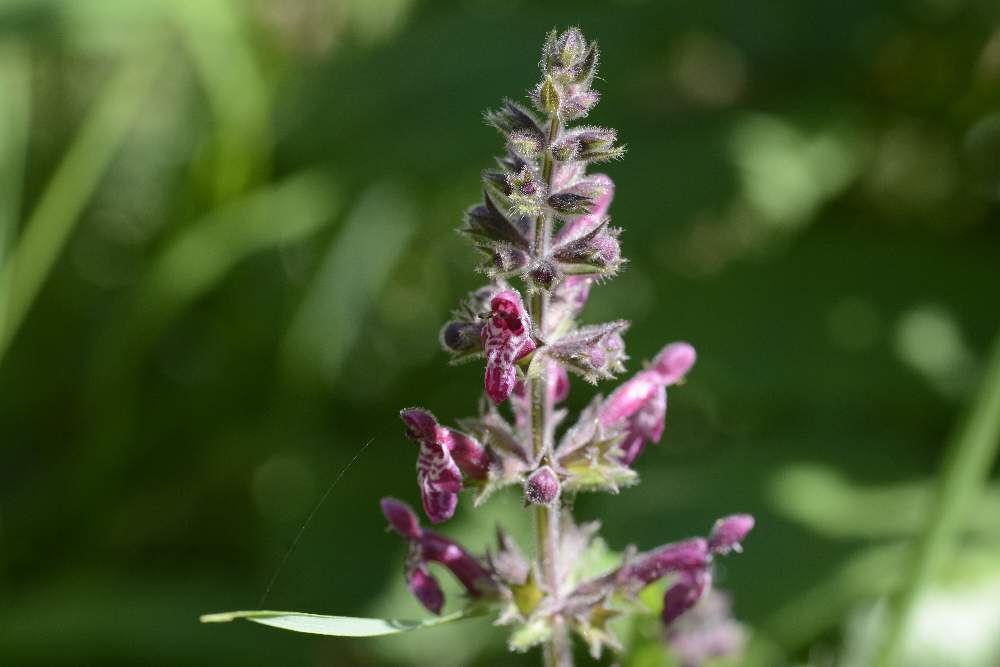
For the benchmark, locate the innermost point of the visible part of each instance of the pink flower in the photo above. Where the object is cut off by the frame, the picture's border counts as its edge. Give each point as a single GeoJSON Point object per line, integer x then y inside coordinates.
{"type": "Point", "coordinates": [427, 547]}
{"type": "Point", "coordinates": [444, 455]}
{"type": "Point", "coordinates": [506, 338]}
{"type": "Point", "coordinates": [640, 405]}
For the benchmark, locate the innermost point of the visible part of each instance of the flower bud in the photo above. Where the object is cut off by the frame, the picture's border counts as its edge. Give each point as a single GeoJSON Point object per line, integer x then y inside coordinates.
{"type": "Point", "coordinates": [401, 518]}
{"type": "Point", "coordinates": [508, 260]}
{"type": "Point", "coordinates": [545, 274]}
{"type": "Point", "coordinates": [569, 48]}
{"type": "Point", "coordinates": [587, 67]}
{"type": "Point", "coordinates": [578, 105]}
{"type": "Point", "coordinates": [548, 96]}
{"type": "Point", "coordinates": [589, 144]}
{"type": "Point", "coordinates": [570, 204]}
{"type": "Point", "coordinates": [525, 143]}
{"type": "Point", "coordinates": [542, 487]}
{"type": "Point", "coordinates": [596, 252]}
{"type": "Point", "coordinates": [461, 337]}
{"type": "Point", "coordinates": [728, 532]}
{"type": "Point", "coordinates": [526, 193]}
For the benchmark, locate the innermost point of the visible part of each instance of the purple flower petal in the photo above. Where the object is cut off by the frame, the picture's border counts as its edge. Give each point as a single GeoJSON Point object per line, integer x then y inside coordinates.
{"type": "Point", "coordinates": [673, 362]}
{"type": "Point", "coordinates": [424, 586]}
{"type": "Point", "coordinates": [683, 595]}
{"type": "Point", "coordinates": [506, 337]}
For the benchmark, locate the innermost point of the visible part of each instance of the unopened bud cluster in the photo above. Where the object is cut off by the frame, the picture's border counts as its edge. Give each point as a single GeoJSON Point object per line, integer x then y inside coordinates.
{"type": "Point", "coordinates": [543, 224]}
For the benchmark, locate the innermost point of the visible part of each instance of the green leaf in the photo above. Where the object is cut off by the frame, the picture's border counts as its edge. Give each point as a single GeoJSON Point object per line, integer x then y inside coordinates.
{"type": "Point", "coordinates": [335, 626]}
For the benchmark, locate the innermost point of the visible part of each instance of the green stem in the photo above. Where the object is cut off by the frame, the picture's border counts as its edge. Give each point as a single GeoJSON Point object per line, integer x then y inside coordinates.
{"type": "Point", "coordinates": [66, 195]}
{"type": "Point", "coordinates": [558, 650]}
{"type": "Point", "coordinates": [964, 472]}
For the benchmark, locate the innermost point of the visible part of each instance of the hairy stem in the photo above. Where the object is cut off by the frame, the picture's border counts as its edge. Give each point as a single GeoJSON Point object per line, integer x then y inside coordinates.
{"type": "Point", "coordinates": [557, 651]}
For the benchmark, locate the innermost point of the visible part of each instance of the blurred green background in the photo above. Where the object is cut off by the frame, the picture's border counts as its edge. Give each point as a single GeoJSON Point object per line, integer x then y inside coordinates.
{"type": "Point", "coordinates": [226, 233]}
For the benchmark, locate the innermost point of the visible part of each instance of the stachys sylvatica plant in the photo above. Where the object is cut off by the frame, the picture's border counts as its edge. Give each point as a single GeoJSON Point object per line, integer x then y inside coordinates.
{"type": "Point", "coordinates": [546, 240]}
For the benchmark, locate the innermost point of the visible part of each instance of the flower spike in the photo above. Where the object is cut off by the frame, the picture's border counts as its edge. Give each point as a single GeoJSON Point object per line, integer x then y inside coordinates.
{"type": "Point", "coordinates": [545, 238]}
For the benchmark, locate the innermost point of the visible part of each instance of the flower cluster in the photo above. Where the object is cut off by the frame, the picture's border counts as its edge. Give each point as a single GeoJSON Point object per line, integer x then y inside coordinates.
{"type": "Point", "coordinates": [543, 221]}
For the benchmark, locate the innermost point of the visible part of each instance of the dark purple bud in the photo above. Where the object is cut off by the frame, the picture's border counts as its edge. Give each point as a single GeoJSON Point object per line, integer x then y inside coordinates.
{"type": "Point", "coordinates": [545, 274]}
{"type": "Point", "coordinates": [526, 193]}
{"type": "Point", "coordinates": [570, 204]}
{"type": "Point", "coordinates": [601, 189]}
{"type": "Point", "coordinates": [728, 532]}
{"type": "Point", "coordinates": [595, 252]}
{"type": "Point", "coordinates": [588, 143]}
{"type": "Point", "coordinates": [461, 337]}
{"type": "Point", "coordinates": [401, 518]}
{"type": "Point", "coordinates": [508, 260]}
{"type": "Point", "coordinates": [542, 487]}
{"type": "Point", "coordinates": [686, 593]}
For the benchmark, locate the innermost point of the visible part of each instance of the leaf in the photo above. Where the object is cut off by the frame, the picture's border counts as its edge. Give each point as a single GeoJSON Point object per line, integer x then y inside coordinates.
{"type": "Point", "coordinates": [335, 626]}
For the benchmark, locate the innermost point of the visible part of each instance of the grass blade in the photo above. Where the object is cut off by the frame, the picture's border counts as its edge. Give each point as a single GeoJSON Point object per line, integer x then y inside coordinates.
{"type": "Point", "coordinates": [964, 473]}
{"type": "Point", "coordinates": [334, 626]}
{"type": "Point", "coordinates": [71, 187]}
